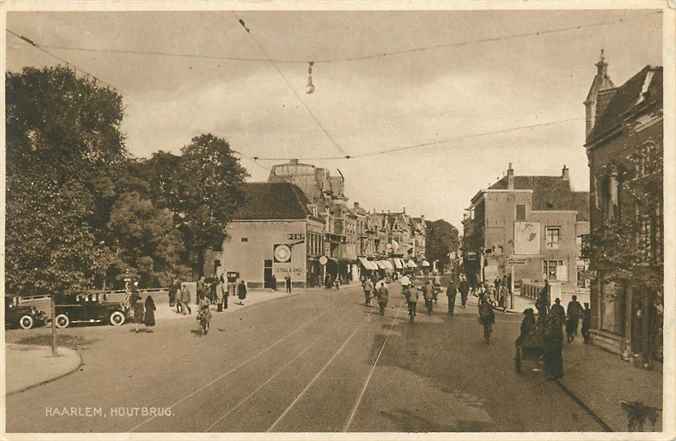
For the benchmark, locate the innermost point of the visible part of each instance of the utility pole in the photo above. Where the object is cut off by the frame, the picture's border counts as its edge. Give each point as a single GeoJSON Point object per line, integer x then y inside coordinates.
{"type": "Point", "coordinates": [53, 312]}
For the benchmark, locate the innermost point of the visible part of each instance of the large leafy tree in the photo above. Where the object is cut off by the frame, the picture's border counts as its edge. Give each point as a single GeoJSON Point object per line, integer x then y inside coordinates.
{"type": "Point", "coordinates": [63, 145]}
{"type": "Point", "coordinates": [441, 239]}
{"type": "Point", "coordinates": [202, 187]}
{"type": "Point", "coordinates": [628, 246]}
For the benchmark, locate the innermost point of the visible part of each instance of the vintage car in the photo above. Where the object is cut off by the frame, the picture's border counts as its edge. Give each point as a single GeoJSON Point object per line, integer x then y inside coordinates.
{"type": "Point", "coordinates": [22, 316]}
{"type": "Point", "coordinates": [89, 308]}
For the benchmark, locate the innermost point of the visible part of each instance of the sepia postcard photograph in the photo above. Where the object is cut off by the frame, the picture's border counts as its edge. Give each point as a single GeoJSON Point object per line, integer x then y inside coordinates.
{"type": "Point", "coordinates": [256, 217]}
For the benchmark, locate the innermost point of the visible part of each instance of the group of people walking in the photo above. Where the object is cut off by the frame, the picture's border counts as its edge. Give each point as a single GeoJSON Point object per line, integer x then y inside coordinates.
{"type": "Point", "coordinates": [379, 290]}
{"type": "Point", "coordinates": [550, 325]}
{"type": "Point", "coordinates": [215, 291]}
{"type": "Point", "coordinates": [143, 311]}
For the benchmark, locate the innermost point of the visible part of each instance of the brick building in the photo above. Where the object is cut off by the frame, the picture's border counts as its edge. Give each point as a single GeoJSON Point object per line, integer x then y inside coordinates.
{"type": "Point", "coordinates": [624, 145]}
{"type": "Point", "coordinates": [537, 219]}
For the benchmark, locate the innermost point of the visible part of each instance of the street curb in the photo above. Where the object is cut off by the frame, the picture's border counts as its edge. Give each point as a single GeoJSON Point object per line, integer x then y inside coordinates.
{"type": "Point", "coordinates": [586, 408]}
{"type": "Point", "coordinates": [76, 368]}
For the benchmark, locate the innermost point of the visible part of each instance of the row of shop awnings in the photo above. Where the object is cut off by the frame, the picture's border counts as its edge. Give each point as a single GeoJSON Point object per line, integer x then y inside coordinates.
{"type": "Point", "coordinates": [395, 263]}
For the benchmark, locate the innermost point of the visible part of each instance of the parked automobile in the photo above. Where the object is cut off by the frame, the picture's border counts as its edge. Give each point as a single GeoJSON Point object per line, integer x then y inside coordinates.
{"type": "Point", "coordinates": [22, 316]}
{"type": "Point", "coordinates": [89, 308]}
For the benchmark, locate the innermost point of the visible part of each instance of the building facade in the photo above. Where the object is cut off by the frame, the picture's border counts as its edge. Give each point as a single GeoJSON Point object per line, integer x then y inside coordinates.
{"type": "Point", "coordinates": [533, 220]}
{"type": "Point", "coordinates": [274, 232]}
{"type": "Point", "coordinates": [624, 146]}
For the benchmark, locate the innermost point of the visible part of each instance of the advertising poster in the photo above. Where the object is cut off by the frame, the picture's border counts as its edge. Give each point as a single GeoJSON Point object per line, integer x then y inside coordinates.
{"type": "Point", "coordinates": [526, 238]}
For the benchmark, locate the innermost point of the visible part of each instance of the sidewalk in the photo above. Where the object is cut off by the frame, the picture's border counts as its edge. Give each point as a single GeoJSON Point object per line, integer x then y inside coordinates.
{"type": "Point", "coordinates": [601, 380]}
{"type": "Point", "coordinates": [31, 365]}
{"type": "Point", "coordinates": [165, 312]}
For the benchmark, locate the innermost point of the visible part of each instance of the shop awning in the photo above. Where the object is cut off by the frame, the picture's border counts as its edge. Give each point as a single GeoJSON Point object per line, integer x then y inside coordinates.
{"type": "Point", "coordinates": [371, 266]}
{"type": "Point", "coordinates": [397, 263]}
{"type": "Point", "coordinates": [411, 264]}
{"type": "Point", "coordinates": [384, 264]}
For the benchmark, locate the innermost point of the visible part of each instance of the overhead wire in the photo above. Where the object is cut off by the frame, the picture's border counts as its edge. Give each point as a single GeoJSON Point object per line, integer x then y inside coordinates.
{"type": "Point", "coordinates": [420, 145]}
{"type": "Point", "coordinates": [381, 54]}
{"type": "Point", "coordinates": [76, 67]}
{"type": "Point", "coordinates": [288, 83]}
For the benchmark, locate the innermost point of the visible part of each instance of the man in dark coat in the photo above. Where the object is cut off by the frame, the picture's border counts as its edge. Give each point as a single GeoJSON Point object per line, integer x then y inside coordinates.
{"type": "Point", "coordinates": [463, 287]}
{"type": "Point", "coordinates": [451, 293]}
{"type": "Point", "coordinates": [557, 309]}
{"type": "Point", "coordinates": [273, 282]}
{"type": "Point", "coordinates": [574, 313]}
{"type": "Point", "coordinates": [287, 281]}
{"type": "Point", "coordinates": [553, 347]}
{"type": "Point", "coordinates": [241, 291]}
{"type": "Point", "coordinates": [542, 303]}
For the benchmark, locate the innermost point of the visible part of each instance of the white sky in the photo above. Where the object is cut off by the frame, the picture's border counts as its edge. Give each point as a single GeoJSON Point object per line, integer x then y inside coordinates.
{"type": "Point", "coordinates": [365, 105]}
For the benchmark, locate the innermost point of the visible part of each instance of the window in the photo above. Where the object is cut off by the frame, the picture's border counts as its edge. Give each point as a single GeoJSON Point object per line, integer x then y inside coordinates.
{"type": "Point", "coordinates": [521, 212]}
{"type": "Point", "coordinates": [552, 237]}
{"type": "Point", "coordinates": [551, 268]}
{"type": "Point", "coordinates": [244, 239]}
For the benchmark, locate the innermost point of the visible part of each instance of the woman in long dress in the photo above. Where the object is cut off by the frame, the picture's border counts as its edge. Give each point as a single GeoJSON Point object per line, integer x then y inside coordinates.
{"type": "Point", "coordinates": [149, 318]}
{"type": "Point", "coordinates": [137, 304]}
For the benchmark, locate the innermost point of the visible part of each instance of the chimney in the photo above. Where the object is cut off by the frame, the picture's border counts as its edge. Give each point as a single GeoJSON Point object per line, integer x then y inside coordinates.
{"type": "Point", "coordinates": [293, 161]}
{"type": "Point", "coordinates": [356, 205]}
{"type": "Point", "coordinates": [403, 209]}
{"type": "Point", "coordinates": [510, 177]}
{"type": "Point", "coordinates": [565, 175]}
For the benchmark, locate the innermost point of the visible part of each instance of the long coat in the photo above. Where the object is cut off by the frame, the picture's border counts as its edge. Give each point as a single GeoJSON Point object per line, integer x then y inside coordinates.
{"type": "Point", "coordinates": [149, 318]}
{"type": "Point", "coordinates": [553, 346]}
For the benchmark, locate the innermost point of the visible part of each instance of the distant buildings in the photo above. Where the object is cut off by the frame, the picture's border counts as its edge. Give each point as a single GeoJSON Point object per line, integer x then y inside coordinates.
{"type": "Point", "coordinates": [624, 145]}
{"type": "Point", "coordinates": [535, 220]}
{"type": "Point", "coordinates": [302, 212]}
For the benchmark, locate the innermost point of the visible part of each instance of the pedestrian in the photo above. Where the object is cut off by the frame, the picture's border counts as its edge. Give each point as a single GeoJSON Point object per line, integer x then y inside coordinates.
{"type": "Point", "coordinates": [241, 291]}
{"type": "Point", "coordinates": [428, 295]}
{"type": "Point", "coordinates": [225, 292]}
{"type": "Point", "coordinates": [172, 293]}
{"type": "Point", "coordinates": [411, 294]}
{"type": "Point", "coordinates": [553, 347]}
{"type": "Point", "coordinates": [185, 299]}
{"type": "Point", "coordinates": [288, 284]}
{"type": "Point", "coordinates": [137, 305]}
{"type": "Point", "coordinates": [368, 287]}
{"type": "Point", "coordinates": [213, 283]}
{"type": "Point", "coordinates": [574, 313]}
{"type": "Point", "coordinates": [586, 323]}
{"type": "Point", "coordinates": [542, 303]}
{"type": "Point", "coordinates": [486, 317]}
{"type": "Point", "coordinates": [463, 287]}
{"type": "Point", "coordinates": [219, 293]}
{"type": "Point", "coordinates": [451, 293]}
{"type": "Point", "coordinates": [149, 318]}
{"type": "Point", "coordinates": [383, 296]}
{"type": "Point", "coordinates": [177, 296]}
{"type": "Point", "coordinates": [273, 282]}
{"type": "Point", "coordinates": [557, 309]}
{"type": "Point", "coordinates": [528, 326]}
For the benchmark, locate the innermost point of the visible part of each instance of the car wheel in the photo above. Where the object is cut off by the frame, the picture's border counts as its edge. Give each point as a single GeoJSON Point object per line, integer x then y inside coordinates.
{"type": "Point", "coordinates": [26, 322]}
{"type": "Point", "coordinates": [62, 321]}
{"type": "Point", "coordinates": [117, 318]}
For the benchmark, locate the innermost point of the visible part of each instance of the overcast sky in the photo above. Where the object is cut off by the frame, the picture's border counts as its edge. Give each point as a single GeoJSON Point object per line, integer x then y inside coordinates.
{"type": "Point", "coordinates": [366, 106]}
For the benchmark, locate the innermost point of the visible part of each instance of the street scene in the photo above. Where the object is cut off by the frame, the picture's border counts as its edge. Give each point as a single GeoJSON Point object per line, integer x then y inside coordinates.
{"type": "Point", "coordinates": [374, 221]}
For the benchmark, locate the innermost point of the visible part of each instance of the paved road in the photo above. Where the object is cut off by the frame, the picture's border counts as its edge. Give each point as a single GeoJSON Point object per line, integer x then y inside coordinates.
{"type": "Point", "coordinates": [319, 361]}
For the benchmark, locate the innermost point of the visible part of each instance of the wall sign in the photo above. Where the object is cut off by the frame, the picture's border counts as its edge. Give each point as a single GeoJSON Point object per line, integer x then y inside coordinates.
{"type": "Point", "coordinates": [282, 253]}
